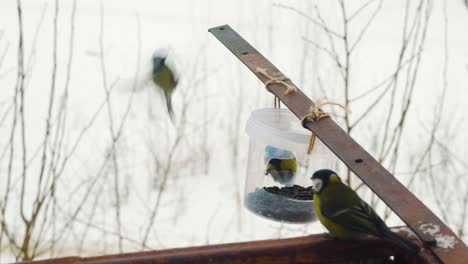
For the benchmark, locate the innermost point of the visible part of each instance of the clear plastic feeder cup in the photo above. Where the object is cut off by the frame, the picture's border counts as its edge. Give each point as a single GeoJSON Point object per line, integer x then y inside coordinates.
{"type": "Point", "coordinates": [278, 185]}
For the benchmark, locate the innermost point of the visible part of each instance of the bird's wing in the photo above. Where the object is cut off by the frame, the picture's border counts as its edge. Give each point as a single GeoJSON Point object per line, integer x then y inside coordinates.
{"type": "Point", "coordinates": [175, 78]}
{"type": "Point", "coordinates": [360, 218]}
{"type": "Point", "coordinates": [174, 73]}
{"type": "Point", "coordinates": [346, 208]}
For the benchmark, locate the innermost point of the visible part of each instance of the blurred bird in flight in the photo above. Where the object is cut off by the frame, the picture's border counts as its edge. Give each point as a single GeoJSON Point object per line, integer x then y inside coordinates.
{"type": "Point", "coordinates": [164, 78]}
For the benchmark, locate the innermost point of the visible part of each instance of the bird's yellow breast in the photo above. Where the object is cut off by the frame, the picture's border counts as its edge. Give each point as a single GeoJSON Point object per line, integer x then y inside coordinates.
{"type": "Point", "coordinates": [165, 79]}
{"type": "Point", "coordinates": [335, 229]}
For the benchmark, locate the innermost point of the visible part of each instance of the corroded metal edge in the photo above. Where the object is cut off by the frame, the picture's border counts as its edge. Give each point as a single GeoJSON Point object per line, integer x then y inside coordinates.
{"type": "Point", "coordinates": [320, 248]}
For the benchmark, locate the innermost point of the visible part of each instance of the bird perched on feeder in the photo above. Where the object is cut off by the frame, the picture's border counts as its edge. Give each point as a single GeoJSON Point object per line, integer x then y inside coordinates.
{"type": "Point", "coordinates": [345, 215]}
{"type": "Point", "coordinates": [164, 78]}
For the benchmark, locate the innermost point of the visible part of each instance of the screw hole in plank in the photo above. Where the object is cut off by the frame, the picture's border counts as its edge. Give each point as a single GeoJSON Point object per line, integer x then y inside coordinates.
{"type": "Point", "coordinates": [358, 161]}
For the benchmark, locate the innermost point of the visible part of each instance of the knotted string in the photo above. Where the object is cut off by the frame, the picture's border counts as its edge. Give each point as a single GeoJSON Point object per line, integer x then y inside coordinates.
{"type": "Point", "coordinates": [315, 114]}
{"type": "Point", "coordinates": [281, 79]}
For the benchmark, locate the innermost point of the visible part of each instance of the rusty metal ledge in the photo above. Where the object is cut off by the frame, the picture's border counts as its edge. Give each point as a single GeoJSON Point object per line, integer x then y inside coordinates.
{"type": "Point", "coordinates": [311, 249]}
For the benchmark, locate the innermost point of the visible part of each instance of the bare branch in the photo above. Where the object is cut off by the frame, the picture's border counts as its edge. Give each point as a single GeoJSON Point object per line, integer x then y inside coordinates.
{"type": "Point", "coordinates": [366, 27]}
{"type": "Point", "coordinates": [390, 78]}
{"type": "Point", "coordinates": [332, 55]}
{"type": "Point", "coordinates": [311, 19]}
{"type": "Point", "coordinates": [359, 10]}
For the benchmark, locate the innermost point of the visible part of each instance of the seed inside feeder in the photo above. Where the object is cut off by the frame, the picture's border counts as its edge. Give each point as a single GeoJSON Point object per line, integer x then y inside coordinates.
{"type": "Point", "coordinates": [293, 192]}
{"type": "Point", "coordinates": [292, 204]}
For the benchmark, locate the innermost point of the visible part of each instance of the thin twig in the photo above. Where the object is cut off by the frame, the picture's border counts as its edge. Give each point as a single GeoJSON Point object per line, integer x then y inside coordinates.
{"type": "Point", "coordinates": [359, 10]}
{"type": "Point", "coordinates": [366, 27]}
{"type": "Point", "coordinates": [318, 23]}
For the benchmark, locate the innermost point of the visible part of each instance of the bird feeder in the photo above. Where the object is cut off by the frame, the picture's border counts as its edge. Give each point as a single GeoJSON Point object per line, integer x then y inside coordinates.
{"type": "Point", "coordinates": [278, 185]}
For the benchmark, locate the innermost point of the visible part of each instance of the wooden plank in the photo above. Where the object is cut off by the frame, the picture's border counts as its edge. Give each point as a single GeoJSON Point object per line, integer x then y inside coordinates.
{"type": "Point", "coordinates": [407, 206]}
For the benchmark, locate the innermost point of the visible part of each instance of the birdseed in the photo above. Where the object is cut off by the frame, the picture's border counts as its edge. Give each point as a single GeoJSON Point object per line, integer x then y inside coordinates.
{"type": "Point", "coordinates": [291, 204]}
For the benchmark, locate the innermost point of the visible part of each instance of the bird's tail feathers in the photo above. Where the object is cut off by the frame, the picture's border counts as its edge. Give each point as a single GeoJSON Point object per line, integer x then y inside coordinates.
{"type": "Point", "coordinates": [400, 241]}
{"type": "Point", "coordinates": [169, 106]}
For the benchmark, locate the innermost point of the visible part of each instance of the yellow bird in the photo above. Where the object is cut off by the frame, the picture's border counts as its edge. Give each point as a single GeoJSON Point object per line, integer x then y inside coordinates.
{"type": "Point", "coordinates": [164, 78]}
{"type": "Point", "coordinates": [282, 170]}
{"type": "Point", "coordinates": [345, 215]}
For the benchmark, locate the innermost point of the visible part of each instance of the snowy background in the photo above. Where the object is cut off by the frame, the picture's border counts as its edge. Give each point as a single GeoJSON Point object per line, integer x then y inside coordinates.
{"type": "Point", "coordinates": [90, 163]}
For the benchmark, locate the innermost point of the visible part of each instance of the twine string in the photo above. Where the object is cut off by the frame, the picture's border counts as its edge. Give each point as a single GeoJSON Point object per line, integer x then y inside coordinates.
{"type": "Point", "coordinates": [281, 79]}
{"type": "Point", "coordinates": [277, 102]}
{"type": "Point", "coordinates": [315, 114]}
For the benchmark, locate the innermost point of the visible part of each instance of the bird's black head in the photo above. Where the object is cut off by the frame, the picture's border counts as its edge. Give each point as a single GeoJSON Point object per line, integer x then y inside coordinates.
{"type": "Point", "coordinates": [158, 63]}
{"type": "Point", "coordinates": [322, 178]}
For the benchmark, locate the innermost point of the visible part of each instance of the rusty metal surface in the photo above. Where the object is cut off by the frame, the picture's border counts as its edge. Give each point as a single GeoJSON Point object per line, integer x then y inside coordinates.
{"type": "Point", "coordinates": [407, 206]}
{"type": "Point", "coordinates": [312, 249]}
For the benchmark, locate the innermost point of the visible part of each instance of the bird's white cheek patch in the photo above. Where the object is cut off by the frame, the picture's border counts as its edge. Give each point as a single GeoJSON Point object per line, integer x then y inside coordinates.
{"type": "Point", "coordinates": [317, 184]}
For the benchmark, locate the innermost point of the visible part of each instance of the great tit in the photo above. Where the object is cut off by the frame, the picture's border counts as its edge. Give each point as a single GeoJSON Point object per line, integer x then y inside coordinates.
{"type": "Point", "coordinates": [282, 170]}
{"type": "Point", "coordinates": [165, 79]}
{"type": "Point", "coordinates": [345, 215]}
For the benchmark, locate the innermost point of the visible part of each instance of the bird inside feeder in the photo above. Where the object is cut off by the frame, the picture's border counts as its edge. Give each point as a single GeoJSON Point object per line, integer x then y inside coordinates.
{"type": "Point", "coordinates": [278, 185]}
{"type": "Point", "coordinates": [281, 165]}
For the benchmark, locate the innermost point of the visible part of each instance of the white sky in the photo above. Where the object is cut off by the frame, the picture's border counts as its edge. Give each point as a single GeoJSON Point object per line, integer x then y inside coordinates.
{"type": "Point", "coordinates": [182, 27]}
